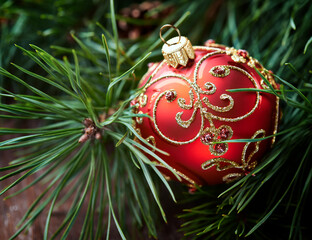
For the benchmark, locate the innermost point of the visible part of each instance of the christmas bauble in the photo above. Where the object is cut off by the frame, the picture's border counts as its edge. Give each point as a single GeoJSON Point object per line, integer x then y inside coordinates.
{"type": "Point", "coordinates": [192, 112]}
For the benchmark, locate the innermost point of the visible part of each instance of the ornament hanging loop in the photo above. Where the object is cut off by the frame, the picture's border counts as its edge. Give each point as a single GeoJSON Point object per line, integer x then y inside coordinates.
{"type": "Point", "coordinates": [178, 50]}
{"type": "Point", "coordinates": [169, 26]}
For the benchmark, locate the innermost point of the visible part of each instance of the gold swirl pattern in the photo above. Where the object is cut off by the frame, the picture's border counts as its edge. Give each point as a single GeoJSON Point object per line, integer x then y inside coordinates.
{"type": "Point", "coordinates": [200, 104]}
{"type": "Point", "coordinates": [219, 166]}
{"type": "Point", "coordinates": [139, 120]}
{"type": "Point", "coordinates": [229, 98]}
{"type": "Point", "coordinates": [197, 102]}
{"type": "Point", "coordinates": [261, 134]}
{"type": "Point", "coordinates": [191, 182]}
{"type": "Point", "coordinates": [222, 164]}
{"type": "Point", "coordinates": [231, 177]}
{"type": "Point", "coordinates": [142, 100]}
{"type": "Point", "coordinates": [151, 139]}
{"type": "Point", "coordinates": [224, 71]}
{"type": "Point", "coordinates": [185, 124]}
{"type": "Point", "coordinates": [211, 134]}
{"type": "Point", "coordinates": [235, 56]}
{"type": "Point", "coordinates": [182, 102]}
{"type": "Point", "coordinates": [276, 120]}
{"type": "Point", "coordinates": [220, 109]}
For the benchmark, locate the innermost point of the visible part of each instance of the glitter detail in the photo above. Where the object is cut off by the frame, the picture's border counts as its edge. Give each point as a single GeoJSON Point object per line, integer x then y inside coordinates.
{"type": "Point", "coordinates": [267, 75]}
{"type": "Point", "coordinates": [138, 130]}
{"type": "Point", "coordinates": [228, 97]}
{"type": "Point", "coordinates": [151, 139]}
{"type": "Point", "coordinates": [142, 100]}
{"type": "Point", "coordinates": [210, 87]}
{"type": "Point", "coordinates": [276, 120]}
{"type": "Point", "coordinates": [236, 55]}
{"type": "Point", "coordinates": [220, 109]}
{"type": "Point", "coordinates": [182, 102]}
{"type": "Point", "coordinates": [220, 148]}
{"type": "Point", "coordinates": [232, 177]}
{"type": "Point", "coordinates": [219, 71]}
{"type": "Point", "coordinates": [171, 95]}
{"type": "Point", "coordinates": [139, 120]}
{"type": "Point", "coordinates": [242, 53]}
{"type": "Point", "coordinates": [212, 134]}
{"type": "Point", "coordinates": [252, 62]}
{"type": "Point", "coordinates": [192, 183]}
{"type": "Point", "coordinates": [263, 85]}
{"type": "Point", "coordinates": [256, 134]}
{"type": "Point", "coordinates": [184, 124]}
{"type": "Point", "coordinates": [224, 133]}
{"type": "Point", "coordinates": [187, 123]}
{"type": "Point", "coordinates": [207, 138]}
{"type": "Point", "coordinates": [222, 164]}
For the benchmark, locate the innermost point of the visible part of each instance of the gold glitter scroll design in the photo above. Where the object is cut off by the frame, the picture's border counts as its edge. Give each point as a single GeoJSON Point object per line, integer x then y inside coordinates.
{"type": "Point", "coordinates": [142, 100]}
{"type": "Point", "coordinates": [151, 139]}
{"type": "Point", "coordinates": [198, 101]}
{"type": "Point", "coordinates": [222, 164]}
{"type": "Point", "coordinates": [215, 136]}
{"type": "Point", "coordinates": [191, 182]}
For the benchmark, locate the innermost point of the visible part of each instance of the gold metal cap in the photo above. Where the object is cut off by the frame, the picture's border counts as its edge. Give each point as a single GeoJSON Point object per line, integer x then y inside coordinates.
{"type": "Point", "coordinates": [178, 50]}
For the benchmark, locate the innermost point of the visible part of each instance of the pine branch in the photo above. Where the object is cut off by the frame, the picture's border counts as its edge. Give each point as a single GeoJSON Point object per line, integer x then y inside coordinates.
{"type": "Point", "coordinates": [71, 148]}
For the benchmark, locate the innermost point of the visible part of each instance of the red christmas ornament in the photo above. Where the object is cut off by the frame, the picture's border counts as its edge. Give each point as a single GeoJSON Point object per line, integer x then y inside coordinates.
{"type": "Point", "coordinates": [192, 112]}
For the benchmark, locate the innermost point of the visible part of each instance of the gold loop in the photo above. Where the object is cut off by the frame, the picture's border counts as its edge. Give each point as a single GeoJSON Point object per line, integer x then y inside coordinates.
{"type": "Point", "coordinates": [170, 26]}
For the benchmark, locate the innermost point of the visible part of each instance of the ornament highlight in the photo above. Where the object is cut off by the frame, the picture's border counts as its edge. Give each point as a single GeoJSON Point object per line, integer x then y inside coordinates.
{"type": "Point", "coordinates": [192, 112]}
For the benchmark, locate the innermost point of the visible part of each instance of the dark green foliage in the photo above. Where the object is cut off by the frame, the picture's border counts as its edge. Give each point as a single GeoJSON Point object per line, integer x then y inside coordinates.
{"type": "Point", "coordinates": [43, 23]}
{"type": "Point", "coordinates": [97, 79]}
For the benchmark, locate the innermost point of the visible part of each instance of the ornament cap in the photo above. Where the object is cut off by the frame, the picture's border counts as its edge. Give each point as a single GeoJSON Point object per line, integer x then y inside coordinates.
{"type": "Point", "coordinates": [178, 50]}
